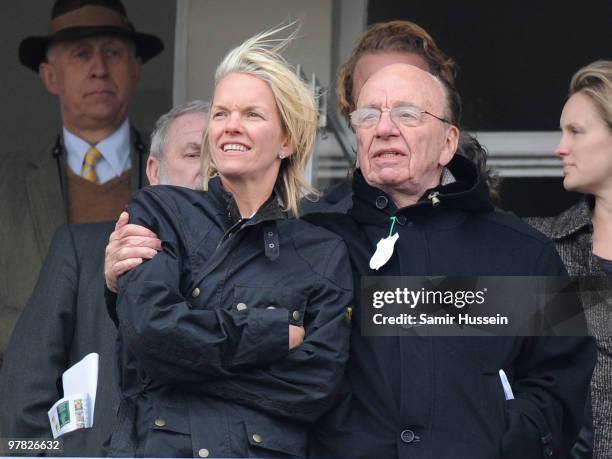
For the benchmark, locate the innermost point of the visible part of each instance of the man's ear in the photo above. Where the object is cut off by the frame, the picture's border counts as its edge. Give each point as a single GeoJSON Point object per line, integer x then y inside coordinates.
{"type": "Point", "coordinates": [450, 145]}
{"type": "Point", "coordinates": [153, 170]}
{"type": "Point", "coordinates": [49, 77]}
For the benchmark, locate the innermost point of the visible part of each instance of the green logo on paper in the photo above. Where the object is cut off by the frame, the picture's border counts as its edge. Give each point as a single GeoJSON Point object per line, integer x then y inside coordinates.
{"type": "Point", "coordinates": [63, 413]}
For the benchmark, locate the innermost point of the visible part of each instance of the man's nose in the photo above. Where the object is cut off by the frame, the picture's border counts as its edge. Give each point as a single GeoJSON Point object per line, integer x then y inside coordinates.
{"type": "Point", "coordinates": [99, 65]}
{"type": "Point", "coordinates": [386, 127]}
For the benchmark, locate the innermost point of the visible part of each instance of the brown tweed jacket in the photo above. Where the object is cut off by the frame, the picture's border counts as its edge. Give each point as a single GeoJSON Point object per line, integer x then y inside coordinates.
{"type": "Point", "coordinates": [572, 232]}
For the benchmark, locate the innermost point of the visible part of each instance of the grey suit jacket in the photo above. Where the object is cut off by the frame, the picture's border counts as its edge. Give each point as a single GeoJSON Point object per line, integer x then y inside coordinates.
{"type": "Point", "coordinates": [65, 320]}
{"type": "Point", "coordinates": [31, 210]}
{"type": "Point", "coordinates": [572, 233]}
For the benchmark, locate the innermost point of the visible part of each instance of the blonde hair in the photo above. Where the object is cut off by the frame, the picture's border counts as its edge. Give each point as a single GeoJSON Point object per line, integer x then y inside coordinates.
{"type": "Point", "coordinates": [260, 57]}
{"type": "Point", "coordinates": [595, 81]}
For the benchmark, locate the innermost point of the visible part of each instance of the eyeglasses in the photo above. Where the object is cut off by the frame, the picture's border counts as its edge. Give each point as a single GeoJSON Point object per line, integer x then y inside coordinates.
{"type": "Point", "coordinates": [405, 115]}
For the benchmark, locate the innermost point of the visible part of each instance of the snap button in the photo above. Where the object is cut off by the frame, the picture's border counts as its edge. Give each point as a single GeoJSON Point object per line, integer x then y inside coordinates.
{"type": "Point", "coordinates": [159, 422]}
{"type": "Point", "coordinates": [203, 452]}
{"type": "Point", "coordinates": [271, 307]}
{"type": "Point", "coordinates": [271, 245]}
{"type": "Point", "coordinates": [381, 202]}
{"type": "Point", "coordinates": [401, 219]}
{"type": "Point", "coordinates": [296, 315]}
{"type": "Point", "coordinates": [241, 306]}
{"type": "Point", "coordinates": [195, 293]}
{"type": "Point", "coordinates": [270, 233]}
{"type": "Point", "coordinates": [548, 451]}
{"type": "Point", "coordinates": [407, 436]}
{"type": "Point", "coordinates": [257, 438]}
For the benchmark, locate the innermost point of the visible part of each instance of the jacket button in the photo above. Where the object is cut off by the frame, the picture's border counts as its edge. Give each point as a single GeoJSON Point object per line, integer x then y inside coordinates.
{"type": "Point", "coordinates": [548, 451]}
{"type": "Point", "coordinates": [407, 436]}
{"type": "Point", "coordinates": [241, 306]}
{"type": "Point", "coordinates": [203, 452]}
{"type": "Point", "coordinates": [195, 293]}
{"type": "Point", "coordinates": [401, 219]}
{"type": "Point", "coordinates": [257, 438]}
{"type": "Point", "coordinates": [381, 202]}
{"type": "Point", "coordinates": [159, 422]}
{"type": "Point", "coordinates": [271, 307]}
{"type": "Point", "coordinates": [296, 315]}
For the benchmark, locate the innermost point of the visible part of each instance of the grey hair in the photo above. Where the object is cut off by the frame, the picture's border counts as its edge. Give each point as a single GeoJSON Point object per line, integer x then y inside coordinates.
{"type": "Point", "coordinates": [159, 136]}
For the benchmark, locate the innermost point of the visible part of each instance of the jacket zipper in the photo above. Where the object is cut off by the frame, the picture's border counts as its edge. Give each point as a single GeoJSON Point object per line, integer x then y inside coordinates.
{"type": "Point", "coordinates": [433, 197]}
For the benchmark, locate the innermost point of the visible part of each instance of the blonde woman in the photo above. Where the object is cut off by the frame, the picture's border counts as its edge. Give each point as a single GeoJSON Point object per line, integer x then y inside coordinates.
{"type": "Point", "coordinates": [233, 339]}
{"type": "Point", "coordinates": [583, 233]}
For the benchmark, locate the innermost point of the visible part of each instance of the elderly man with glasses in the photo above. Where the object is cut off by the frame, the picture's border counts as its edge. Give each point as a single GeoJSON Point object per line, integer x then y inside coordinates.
{"type": "Point", "coordinates": [442, 396]}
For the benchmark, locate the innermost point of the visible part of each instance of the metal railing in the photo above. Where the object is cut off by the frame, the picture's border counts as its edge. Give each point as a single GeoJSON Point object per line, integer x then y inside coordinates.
{"type": "Point", "coordinates": [329, 125]}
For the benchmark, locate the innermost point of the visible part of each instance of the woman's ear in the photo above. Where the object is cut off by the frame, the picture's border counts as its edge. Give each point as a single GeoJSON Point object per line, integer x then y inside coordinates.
{"type": "Point", "coordinates": [286, 149]}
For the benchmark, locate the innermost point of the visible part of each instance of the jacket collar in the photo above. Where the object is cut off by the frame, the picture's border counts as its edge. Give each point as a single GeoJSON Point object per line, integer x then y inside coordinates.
{"type": "Point", "coordinates": [571, 221]}
{"type": "Point", "coordinates": [270, 210]}
{"type": "Point", "coordinates": [468, 192]}
{"type": "Point", "coordinates": [267, 215]}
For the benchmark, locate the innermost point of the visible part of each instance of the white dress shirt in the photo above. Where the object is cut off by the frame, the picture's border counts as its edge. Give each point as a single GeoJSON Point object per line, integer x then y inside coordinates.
{"type": "Point", "coordinates": [115, 151]}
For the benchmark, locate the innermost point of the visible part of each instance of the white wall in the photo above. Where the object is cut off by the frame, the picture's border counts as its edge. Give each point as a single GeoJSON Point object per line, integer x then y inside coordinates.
{"type": "Point", "coordinates": [208, 29]}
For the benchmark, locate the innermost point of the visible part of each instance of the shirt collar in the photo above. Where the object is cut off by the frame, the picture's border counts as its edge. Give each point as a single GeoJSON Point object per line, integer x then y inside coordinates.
{"type": "Point", "coordinates": [115, 149]}
{"type": "Point", "coordinates": [447, 177]}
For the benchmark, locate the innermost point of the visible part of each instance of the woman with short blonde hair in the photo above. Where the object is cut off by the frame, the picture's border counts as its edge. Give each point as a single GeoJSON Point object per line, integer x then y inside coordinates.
{"type": "Point", "coordinates": [233, 338]}
{"type": "Point", "coordinates": [259, 57]}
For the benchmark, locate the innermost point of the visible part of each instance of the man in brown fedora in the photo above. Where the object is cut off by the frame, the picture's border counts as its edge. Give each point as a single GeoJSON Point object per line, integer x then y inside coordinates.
{"type": "Point", "coordinates": [90, 59]}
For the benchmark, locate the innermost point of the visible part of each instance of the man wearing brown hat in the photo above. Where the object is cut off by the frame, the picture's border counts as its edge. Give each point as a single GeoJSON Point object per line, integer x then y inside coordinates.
{"type": "Point", "coordinates": [91, 61]}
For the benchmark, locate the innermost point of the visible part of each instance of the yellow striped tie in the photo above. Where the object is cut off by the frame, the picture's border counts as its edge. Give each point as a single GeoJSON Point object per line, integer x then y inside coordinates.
{"type": "Point", "coordinates": [92, 157]}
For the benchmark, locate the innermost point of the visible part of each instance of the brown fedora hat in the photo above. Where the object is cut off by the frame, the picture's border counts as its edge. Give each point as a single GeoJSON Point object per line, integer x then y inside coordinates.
{"type": "Point", "coordinates": [73, 19]}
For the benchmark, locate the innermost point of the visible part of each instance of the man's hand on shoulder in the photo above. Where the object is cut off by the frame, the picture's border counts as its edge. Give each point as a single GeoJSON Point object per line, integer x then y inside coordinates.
{"type": "Point", "coordinates": [127, 247]}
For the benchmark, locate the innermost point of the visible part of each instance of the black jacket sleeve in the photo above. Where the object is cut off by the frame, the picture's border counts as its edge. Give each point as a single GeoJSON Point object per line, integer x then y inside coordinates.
{"type": "Point", "coordinates": [303, 385]}
{"type": "Point", "coordinates": [172, 341]}
{"type": "Point", "coordinates": [240, 356]}
{"type": "Point", "coordinates": [552, 375]}
{"type": "Point", "coordinates": [110, 299]}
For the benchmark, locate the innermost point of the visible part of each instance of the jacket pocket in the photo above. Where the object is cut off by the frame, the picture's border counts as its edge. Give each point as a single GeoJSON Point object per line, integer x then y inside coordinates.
{"type": "Point", "coordinates": [271, 297]}
{"type": "Point", "coordinates": [494, 405]}
{"type": "Point", "coordinates": [274, 438]}
{"type": "Point", "coordinates": [527, 434]}
{"type": "Point", "coordinates": [169, 433]}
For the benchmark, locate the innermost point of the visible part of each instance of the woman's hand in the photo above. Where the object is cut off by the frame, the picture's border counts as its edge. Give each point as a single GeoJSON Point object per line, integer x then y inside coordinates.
{"type": "Point", "coordinates": [127, 247]}
{"type": "Point", "coordinates": [296, 336]}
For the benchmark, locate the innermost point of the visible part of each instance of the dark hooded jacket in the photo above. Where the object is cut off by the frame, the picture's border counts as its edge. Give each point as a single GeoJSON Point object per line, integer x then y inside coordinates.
{"type": "Point", "coordinates": [204, 364]}
{"type": "Point", "coordinates": [441, 397]}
